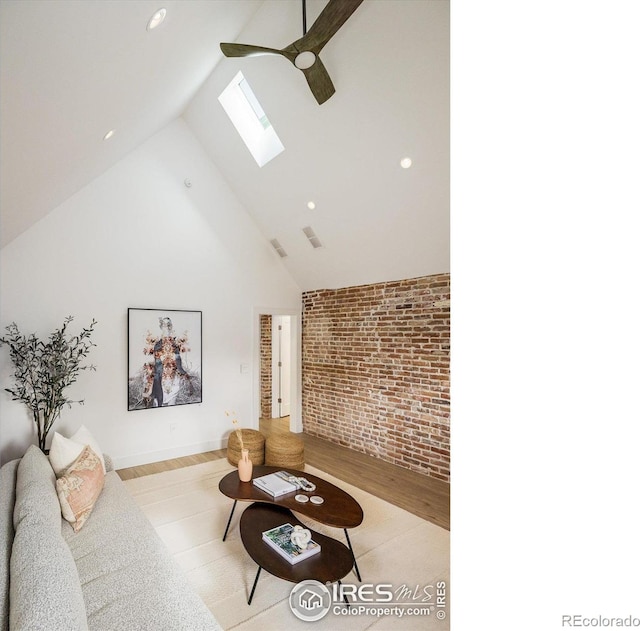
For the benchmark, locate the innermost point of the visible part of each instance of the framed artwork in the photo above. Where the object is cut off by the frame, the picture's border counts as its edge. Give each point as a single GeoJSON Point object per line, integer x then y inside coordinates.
{"type": "Point", "coordinates": [165, 358]}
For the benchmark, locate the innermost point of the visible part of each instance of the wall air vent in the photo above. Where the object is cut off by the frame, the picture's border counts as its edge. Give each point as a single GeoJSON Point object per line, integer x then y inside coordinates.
{"type": "Point", "coordinates": [311, 235]}
{"type": "Point", "coordinates": [278, 248]}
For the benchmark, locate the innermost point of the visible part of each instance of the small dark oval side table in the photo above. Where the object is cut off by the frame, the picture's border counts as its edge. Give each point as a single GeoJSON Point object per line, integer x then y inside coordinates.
{"type": "Point", "coordinates": [333, 562]}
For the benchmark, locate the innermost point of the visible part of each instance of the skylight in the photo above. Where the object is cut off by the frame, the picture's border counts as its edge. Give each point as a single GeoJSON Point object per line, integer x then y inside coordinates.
{"type": "Point", "coordinates": [243, 108]}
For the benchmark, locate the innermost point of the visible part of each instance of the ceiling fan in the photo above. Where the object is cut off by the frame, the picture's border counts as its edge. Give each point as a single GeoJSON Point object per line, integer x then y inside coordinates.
{"type": "Point", "coordinates": [303, 53]}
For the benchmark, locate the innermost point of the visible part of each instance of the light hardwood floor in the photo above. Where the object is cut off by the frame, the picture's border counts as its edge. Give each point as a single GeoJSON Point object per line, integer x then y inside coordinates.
{"type": "Point", "coordinates": [423, 496]}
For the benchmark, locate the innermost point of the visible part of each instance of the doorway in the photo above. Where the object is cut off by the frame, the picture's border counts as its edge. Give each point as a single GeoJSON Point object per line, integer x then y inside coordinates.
{"type": "Point", "coordinates": [280, 366]}
{"type": "Point", "coordinates": [278, 381]}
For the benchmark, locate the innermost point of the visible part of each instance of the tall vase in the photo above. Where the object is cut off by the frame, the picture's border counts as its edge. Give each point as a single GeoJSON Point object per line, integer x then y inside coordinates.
{"type": "Point", "coordinates": [245, 466]}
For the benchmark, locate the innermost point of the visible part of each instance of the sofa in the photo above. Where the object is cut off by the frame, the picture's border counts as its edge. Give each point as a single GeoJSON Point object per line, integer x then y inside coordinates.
{"type": "Point", "coordinates": [114, 573]}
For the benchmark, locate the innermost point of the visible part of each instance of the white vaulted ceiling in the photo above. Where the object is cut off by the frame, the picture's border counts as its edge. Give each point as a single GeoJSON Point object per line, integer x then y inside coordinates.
{"type": "Point", "coordinates": [71, 71]}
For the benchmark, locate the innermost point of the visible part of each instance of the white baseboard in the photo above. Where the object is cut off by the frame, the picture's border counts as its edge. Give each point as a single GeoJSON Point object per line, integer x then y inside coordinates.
{"type": "Point", "coordinates": [167, 454]}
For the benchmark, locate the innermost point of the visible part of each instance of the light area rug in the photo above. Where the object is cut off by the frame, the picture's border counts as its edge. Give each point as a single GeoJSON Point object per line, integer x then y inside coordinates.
{"type": "Point", "coordinates": [392, 547]}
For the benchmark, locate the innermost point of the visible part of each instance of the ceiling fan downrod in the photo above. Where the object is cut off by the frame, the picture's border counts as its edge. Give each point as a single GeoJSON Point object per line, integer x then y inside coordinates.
{"type": "Point", "coordinates": [306, 58]}
{"type": "Point", "coordinates": [304, 17]}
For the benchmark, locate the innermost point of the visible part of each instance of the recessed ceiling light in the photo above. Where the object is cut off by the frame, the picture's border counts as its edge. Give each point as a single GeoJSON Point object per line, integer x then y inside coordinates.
{"type": "Point", "coordinates": [311, 205]}
{"type": "Point", "coordinates": [109, 134]}
{"type": "Point", "coordinates": [405, 163]}
{"type": "Point", "coordinates": [156, 19]}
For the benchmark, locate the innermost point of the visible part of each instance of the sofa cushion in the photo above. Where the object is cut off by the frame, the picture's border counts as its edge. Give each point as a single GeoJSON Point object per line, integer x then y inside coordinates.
{"type": "Point", "coordinates": [8, 494]}
{"type": "Point", "coordinates": [45, 591]}
{"type": "Point", "coordinates": [108, 463]}
{"type": "Point", "coordinates": [36, 497]}
{"type": "Point", "coordinates": [64, 451]}
{"type": "Point", "coordinates": [79, 487]}
{"type": "Point", "coordinates": [128, 577]}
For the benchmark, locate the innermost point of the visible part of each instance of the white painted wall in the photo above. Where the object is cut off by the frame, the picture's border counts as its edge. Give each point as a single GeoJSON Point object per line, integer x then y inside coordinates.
{"type": "Point", "coordinates": [138, 237]}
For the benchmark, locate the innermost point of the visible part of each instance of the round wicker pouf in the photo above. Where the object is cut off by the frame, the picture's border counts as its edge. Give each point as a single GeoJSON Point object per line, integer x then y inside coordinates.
{"type": "Point", "coordinates": [253, 441]}
{"type": "Point", "coordinates": [284, 450]}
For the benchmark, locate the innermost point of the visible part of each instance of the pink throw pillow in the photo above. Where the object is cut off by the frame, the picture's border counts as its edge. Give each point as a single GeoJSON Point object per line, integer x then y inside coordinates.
{"type": "Point", "coordinates": [79, 487]}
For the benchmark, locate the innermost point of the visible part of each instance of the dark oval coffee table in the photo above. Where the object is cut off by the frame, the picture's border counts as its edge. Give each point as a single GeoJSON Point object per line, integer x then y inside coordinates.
{"type": "Point", "coordinates": [339, 510]}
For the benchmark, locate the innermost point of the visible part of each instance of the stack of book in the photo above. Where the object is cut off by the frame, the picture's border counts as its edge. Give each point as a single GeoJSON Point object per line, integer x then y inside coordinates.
{"type": "Point", "coordinates": [279, 539]}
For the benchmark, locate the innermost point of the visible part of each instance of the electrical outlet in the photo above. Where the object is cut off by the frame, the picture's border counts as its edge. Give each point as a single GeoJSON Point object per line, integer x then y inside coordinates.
{"type": "Point", "coordinates": [172, 427]}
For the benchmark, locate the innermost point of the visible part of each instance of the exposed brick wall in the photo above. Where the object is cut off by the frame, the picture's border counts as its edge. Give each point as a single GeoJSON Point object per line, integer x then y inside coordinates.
{"type": "Point", "coordinates": [265, 366]}
{"type": "Point", "coordinates": [375, 370]}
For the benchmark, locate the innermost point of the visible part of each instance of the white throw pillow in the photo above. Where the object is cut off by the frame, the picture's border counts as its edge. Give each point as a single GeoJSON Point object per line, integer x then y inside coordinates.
{"type": "Point", "coordinates": [64, 451]}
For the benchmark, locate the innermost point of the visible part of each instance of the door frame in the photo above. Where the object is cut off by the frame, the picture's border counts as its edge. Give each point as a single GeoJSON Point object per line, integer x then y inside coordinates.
{"type": "Point", "coordinates": [277, 365]}
{"type": "Point", "coordinates": [295, 418]}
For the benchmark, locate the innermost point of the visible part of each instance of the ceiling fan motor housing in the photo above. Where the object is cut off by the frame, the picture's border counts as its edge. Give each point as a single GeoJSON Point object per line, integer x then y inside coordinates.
{"type": "Point", "coordinates": [305, 60]}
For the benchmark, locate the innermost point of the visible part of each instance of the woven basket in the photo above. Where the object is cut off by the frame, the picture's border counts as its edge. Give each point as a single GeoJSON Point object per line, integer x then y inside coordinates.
{"type": "Point", "coordinates": [284, 450]}
{"type": "Point", "coordinates": [253, 441]}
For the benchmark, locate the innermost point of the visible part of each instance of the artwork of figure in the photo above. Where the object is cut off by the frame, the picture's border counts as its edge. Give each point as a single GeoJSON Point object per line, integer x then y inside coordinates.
{"type": "Point", "coordinates": [169, 376]}
{"type": "Point", "coordinates": [166, 372]}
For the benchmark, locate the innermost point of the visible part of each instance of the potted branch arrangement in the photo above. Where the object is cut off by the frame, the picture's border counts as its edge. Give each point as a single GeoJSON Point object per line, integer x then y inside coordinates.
{"type": "Point", "coordinates": [43, 370]}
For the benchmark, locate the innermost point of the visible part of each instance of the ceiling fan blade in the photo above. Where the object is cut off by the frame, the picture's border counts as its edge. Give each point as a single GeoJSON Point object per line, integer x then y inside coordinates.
{"type": "Point", "coordinates": [248, 50]}
{"type": "Point", "coordinates": [305, 50]}
{"type": "Point", "coordinates": [333, 16]}
{"type": "Point", "coordinates": [319, 81]}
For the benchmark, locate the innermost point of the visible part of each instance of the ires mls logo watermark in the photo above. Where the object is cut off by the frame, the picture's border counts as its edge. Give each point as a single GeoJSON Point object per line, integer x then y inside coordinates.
{"type": "Point", "coordinates": [311, 600]}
